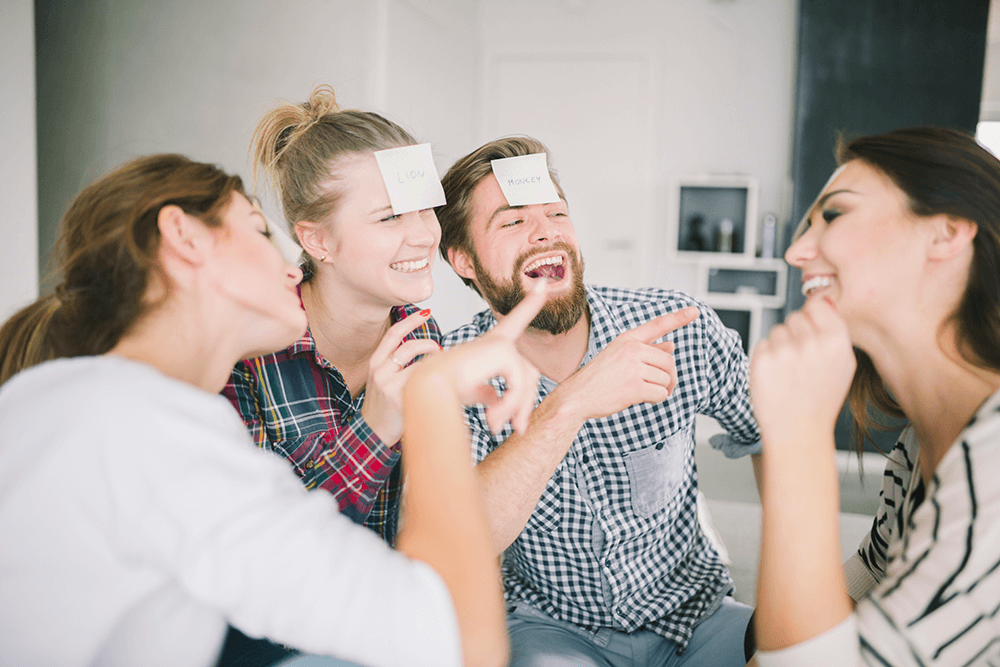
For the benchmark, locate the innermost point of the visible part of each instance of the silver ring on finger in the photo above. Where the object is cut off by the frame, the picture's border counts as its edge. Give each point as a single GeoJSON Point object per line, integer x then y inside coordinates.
{"type": "Point", "coordinates": [398, 362]}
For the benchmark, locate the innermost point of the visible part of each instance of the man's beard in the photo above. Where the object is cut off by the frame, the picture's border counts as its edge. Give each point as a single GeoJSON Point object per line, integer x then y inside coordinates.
{"type": "Point", "coordinates": [559, 314]}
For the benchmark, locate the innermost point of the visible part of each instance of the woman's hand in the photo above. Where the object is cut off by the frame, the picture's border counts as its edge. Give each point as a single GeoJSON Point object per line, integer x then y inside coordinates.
{"type": "Point", "coordinates": [800, 375]}
{"type": "Point", "coordinates": [799, 378]}
{"type": "Point", "coordinates": [388, 371]}
{"type": "Point", "coordinates": [445, 524]}
{"type": "Point", "coordinates": [468, 368]}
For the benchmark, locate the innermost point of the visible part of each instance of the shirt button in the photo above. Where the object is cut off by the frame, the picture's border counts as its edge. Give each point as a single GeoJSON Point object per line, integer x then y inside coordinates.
{"type": "Point", "coordinates": [586, 459]}
{"type": "Point", "coordinates": [309, 465]}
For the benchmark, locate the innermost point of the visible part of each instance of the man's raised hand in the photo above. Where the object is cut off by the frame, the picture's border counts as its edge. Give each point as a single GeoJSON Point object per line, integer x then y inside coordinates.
{"type": "Point", "coordinates": [632, 369]}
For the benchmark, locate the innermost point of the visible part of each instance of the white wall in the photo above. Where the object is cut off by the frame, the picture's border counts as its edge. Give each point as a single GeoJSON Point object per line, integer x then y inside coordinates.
{"type": "Point", "coordinates": [627, 93]}
{"type": "Point", "coordinates": [630, 94]}
{"type": "Point", "coordinates": [120, 79]}
{"type": "Point", "coordinates": [123, 78]}
{"type": "Point", "coordinates": [432, 69]}
{"type": "Point", "coordinates": [18, 196]}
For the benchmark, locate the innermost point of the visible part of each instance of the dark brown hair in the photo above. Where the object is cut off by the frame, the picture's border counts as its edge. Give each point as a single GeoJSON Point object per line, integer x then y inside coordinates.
{"type": "Point", "coordinates": [300, 146]}
{"type": "Point", "coordinates": [941, 171]}
{"type": "Point", "coordinates": [107, 247]}
{"type": "Point", "coordinates": [462, 179]}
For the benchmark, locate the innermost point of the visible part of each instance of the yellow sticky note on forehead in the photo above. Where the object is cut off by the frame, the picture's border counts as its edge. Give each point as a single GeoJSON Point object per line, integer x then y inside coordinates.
{"type": "Point", "coordinates": [411, 178]}
{"type": "Point", "coordinates": [525, 179]}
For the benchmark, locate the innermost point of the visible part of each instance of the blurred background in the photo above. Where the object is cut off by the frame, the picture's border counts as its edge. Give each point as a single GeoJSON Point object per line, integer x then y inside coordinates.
{"type": "Point", "coordinates": [636, 100]}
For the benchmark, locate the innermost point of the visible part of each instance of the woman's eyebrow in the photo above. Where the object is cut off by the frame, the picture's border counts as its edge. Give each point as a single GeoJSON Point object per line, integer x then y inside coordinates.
{"type": "Point", "coordinates": [824, 198]}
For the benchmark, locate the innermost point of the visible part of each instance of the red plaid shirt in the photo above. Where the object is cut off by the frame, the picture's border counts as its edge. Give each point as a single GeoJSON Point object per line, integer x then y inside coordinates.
{"type": "Point", "coordinates": [296, 403]}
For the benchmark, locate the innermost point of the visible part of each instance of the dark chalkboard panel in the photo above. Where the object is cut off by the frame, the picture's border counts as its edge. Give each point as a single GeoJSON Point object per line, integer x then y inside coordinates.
{"type": "Point", "coordinates": [869, 66]}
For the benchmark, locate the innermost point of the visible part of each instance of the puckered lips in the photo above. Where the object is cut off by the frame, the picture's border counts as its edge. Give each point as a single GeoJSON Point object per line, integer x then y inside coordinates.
{"type": "Point", "coordinates": [550, 266]}
{"type": "Point", "coordinates": [812, 284]}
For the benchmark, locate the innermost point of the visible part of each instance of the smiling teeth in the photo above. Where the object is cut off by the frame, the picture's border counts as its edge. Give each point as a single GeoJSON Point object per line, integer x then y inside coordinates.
{"type": "Point", "coordinates": [555, 261]}
{"type": "Point", "coordinates": [813, 284]}
{"type": "Point", "coordinates": [409, 267]}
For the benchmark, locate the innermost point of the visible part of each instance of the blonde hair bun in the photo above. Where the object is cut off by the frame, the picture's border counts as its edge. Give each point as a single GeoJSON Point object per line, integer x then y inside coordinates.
{"type": "Point", "coordinates": [281, 127]}
{"type": "Point", "coordinates": [322, 101]}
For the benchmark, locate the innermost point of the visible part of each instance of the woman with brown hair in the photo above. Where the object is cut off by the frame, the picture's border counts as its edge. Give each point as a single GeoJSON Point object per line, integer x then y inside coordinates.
{"type": "Point", "coordinates": [900, 257]}
{"type": "Point", "coordinates": [331, 402]}
{"type": "Point", "coordinates": [135, 518]}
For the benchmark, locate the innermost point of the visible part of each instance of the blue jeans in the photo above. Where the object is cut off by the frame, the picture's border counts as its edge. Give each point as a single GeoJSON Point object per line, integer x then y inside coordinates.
{"type": "Point", "coordinates": [536, 640]}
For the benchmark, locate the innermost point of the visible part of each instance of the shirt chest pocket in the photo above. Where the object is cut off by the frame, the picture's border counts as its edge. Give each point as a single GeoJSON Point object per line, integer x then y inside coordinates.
{"type": "Point", "coordinates": [655, 473]}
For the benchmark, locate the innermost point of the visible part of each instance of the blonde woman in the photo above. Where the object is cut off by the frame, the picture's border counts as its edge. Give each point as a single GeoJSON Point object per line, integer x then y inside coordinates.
{"type": "Point", "coordinates": [331, 403]}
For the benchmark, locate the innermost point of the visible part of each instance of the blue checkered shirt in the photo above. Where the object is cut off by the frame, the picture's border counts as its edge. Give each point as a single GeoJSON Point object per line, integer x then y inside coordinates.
{"type": "Point", "coordinates": [614, 541]}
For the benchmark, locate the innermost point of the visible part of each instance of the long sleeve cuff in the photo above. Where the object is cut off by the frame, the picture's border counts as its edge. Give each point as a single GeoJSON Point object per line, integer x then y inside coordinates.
{"type": "Point", "coordinates": [733, 449]}
{"type": "Point", "coordinates": [837, 647]}
{"type": "Point", "coordinates": [859, 578]}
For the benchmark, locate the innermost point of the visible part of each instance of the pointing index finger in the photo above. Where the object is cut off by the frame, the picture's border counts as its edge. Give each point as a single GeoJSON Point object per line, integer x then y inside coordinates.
{"type": "Point", "coordinates": [393, 338]}
{"type": "Point", "coordinates": [664, 324]}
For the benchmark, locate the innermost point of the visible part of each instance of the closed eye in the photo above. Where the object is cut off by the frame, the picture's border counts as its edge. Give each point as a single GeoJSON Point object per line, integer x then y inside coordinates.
{"type": "Point", "coordinates": [831, 214]}
{"type": "Point", "coordinates": [511, 223]}
{"type": "Point", "coordinates": [389, 218]}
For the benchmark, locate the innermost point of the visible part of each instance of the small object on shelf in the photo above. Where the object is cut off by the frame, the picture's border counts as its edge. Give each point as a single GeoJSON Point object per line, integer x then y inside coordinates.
{"type": "Point", "coordinates": [696, 234]}
{"type": "Point", "coordinates": [725, 235]}
{"type": "Point", "coordinates": [768, 233]}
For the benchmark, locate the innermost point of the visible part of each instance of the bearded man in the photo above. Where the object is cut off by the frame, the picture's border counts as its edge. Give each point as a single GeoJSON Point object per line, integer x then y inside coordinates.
{"type": "Point", "coordinates": [594, 506]}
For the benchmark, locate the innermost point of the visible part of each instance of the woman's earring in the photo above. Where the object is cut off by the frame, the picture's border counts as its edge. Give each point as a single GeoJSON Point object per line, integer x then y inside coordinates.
{"type": "Point", "coordinates": [323, 258]}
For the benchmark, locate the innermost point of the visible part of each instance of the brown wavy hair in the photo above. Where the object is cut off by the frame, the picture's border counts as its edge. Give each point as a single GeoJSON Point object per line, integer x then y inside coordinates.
{"type": "Point", "coordinates": [107, 248]}
{"type": "Point", "coordinates": [941, 171]}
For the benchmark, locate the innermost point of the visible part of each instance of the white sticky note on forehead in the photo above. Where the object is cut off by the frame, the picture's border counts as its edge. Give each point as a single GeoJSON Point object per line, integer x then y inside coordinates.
{"type": "Point", "coordinates": [410, 178]}
{"type": "Point", "coordinates": [525, 179]}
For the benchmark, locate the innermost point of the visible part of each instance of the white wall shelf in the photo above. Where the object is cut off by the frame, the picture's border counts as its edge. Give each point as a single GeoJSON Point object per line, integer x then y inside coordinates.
{"type": "Point", "coordinates": [739, 282]}
{"type": "Point", "coordinates": [712, 216]}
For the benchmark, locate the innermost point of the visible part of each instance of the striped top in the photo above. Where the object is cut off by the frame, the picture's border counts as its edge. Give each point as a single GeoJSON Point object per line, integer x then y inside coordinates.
{"type": "Point", "coordinates": [933, 556]}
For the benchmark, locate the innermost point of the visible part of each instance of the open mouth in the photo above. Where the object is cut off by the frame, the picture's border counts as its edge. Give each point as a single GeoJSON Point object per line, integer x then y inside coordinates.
{"type": "Point", "coordinates": [551, 268]}
{"type": "Point", "coordinates": [813, 285]}
{"type": "Point", "coordinates": [409, 267]}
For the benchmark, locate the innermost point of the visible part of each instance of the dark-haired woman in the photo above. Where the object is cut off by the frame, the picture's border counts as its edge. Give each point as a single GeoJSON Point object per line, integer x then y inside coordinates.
{"type": "Point", "coordinates": [331, 403]}
{"type": "Point", "coordinates": [136, 519]}
{"type": "Point", "coordinates": [899, 258]}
